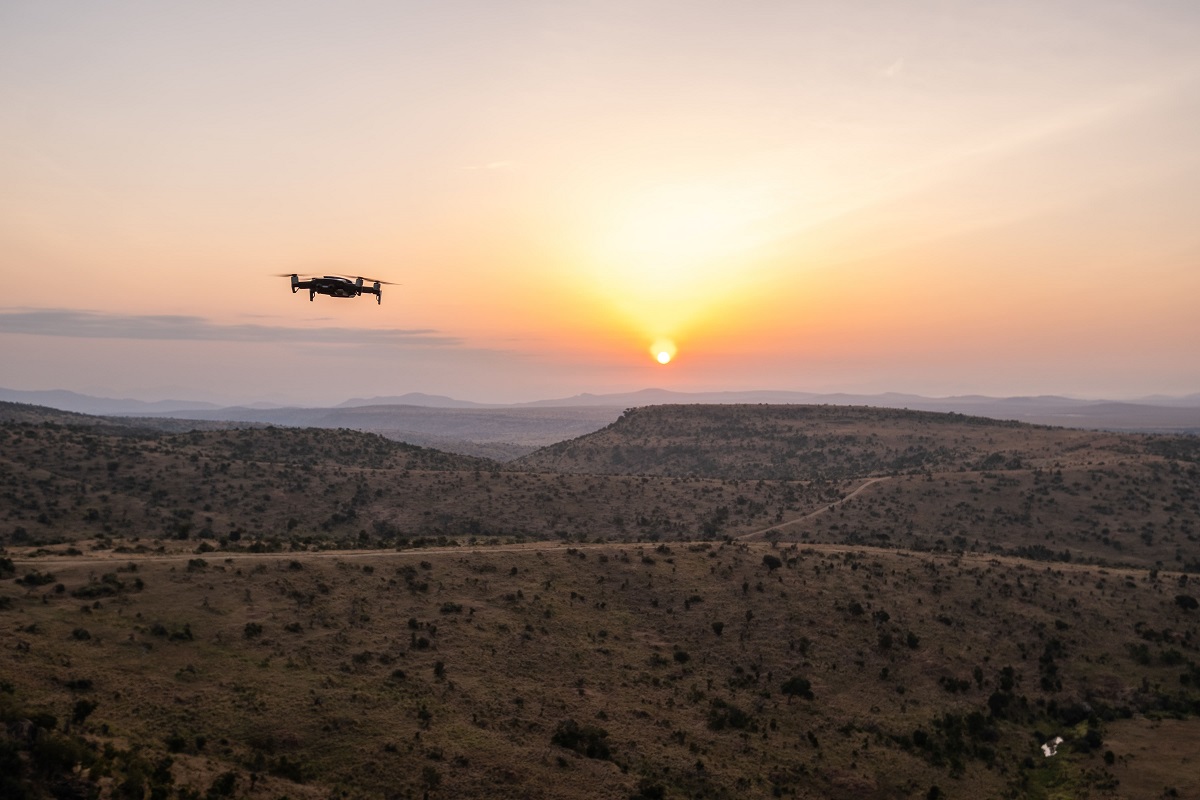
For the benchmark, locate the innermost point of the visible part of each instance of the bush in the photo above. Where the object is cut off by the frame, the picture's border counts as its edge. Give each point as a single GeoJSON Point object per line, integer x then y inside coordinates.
{"type": "Point", "coordinates": [587, 740]}
{"type": "Point", "coordinates": [36, 578]}
{"type": "Point", "coordinates": [284, 767]}
{"type": "Point", "coordinates": [649, 790]}
{"type": "Point", "coordinates": [723, 715]}
{"type": "Point", "coordinates": [83, 708]}
{"type": "Point", "coordinates": [223, 785]}
{"type": "Point", "coordinates": [797, 687]}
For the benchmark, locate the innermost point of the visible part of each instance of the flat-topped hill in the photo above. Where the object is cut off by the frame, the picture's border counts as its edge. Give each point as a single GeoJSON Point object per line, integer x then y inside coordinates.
{"type": "Point", "coordinates": [800, 442]}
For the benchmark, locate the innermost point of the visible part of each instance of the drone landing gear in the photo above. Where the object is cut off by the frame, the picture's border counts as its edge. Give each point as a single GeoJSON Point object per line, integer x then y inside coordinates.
{"type": "Point", "coordinates": [311, 295]}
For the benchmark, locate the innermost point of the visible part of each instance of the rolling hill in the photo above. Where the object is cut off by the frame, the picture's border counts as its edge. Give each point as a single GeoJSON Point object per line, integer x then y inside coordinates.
{"type": "Point", "coordinates": [715, 601]}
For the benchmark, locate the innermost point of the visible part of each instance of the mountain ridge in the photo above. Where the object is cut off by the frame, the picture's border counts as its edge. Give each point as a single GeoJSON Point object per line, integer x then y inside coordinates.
{"type": "Point", "coordinates": [506, 431]}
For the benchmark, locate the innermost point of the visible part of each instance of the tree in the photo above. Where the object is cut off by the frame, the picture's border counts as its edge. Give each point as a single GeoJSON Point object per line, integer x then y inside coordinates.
{"type": "Point", "coordinates": [797, 687]}
{"type": "Point", "coordinates": [771, 562]}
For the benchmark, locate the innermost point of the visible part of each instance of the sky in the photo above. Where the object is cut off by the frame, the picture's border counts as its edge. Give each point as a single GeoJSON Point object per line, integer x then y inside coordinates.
{"type": "Point", "coordinates": [939, 198]}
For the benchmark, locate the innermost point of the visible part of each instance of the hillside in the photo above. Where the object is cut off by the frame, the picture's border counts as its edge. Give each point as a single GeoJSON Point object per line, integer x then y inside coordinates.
{"type": "Point", "coordinates": [952, 482]}
{"type": "Point", "coordinates": [296, 488]}
{"type": "Point", "coordinates": [774, 442]}
{"type": "Point", "coordinates": [604, 671]}
{"type": "Point", "coordinates": [918, 606]}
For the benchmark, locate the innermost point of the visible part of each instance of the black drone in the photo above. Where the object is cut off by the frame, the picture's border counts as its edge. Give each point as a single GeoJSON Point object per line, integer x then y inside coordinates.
{"type": "Point", "coordinates": [337, 286]}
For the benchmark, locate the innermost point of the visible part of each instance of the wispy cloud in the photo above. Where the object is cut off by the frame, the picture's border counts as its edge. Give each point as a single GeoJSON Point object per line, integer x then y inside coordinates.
{"type": "Point", "coordinates": [96, 325]}
{"type": "Point", "coordinates": [493, 165]}
{"type": "Point", "coordinates": [893, 69]}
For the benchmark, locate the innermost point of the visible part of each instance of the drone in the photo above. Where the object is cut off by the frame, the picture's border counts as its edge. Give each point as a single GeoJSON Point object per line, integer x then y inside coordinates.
{"type": "Point", "coordinates": [337, 286]}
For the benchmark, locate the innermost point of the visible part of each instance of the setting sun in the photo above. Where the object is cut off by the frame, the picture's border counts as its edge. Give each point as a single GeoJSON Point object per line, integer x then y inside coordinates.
{"type": "Point", "coordinates": [663, 350]}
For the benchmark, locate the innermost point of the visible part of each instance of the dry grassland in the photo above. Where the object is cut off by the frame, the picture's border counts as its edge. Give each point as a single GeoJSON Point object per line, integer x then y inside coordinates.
{"type": "Point", "coordinates": [458, 673]}
{"type": "Point", "coordinates": [296, 613]}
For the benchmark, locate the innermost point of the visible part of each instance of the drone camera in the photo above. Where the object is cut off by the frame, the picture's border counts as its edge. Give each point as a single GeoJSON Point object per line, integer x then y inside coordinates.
{"type": "Point", "coordinates": [295, 283]}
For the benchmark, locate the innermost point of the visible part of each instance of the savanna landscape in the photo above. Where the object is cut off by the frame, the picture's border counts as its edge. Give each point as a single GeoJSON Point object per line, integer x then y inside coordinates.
{"type": "Point", "coordinates": [695, 601]}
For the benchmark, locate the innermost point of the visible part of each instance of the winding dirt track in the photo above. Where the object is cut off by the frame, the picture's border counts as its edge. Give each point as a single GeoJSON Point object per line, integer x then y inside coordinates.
{"type": "Point", "coordinates": [755, 535]}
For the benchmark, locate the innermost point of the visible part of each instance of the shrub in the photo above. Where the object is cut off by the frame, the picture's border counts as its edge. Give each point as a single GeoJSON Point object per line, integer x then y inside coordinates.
{"type": "Point", "coordinates": [723, 715]}
{"type": "Point", "coordinates": [587, 740]}
{"type": "Point", "coordinates": [36, 578]}
{"type": "Point", "coordinates": [223, 785]}
{"type": "Point", "coordinates": [284, 767]}
{"type": "Point", "coordinates": [83, 708]}
{"type": "Point", "coordinates": [797, 687]}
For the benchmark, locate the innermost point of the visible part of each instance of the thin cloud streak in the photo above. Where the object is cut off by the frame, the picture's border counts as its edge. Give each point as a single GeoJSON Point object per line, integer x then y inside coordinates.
{"type": "Point", "coordinates": [1024, 135]}
{"type": "Point", "coordinates": [492, 166]}
{"type": "Point", "coordinates": [95, 325]}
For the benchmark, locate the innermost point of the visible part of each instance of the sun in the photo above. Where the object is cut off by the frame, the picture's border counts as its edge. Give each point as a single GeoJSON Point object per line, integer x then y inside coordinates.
{"type": "Point", "coordinates": [663, 350]}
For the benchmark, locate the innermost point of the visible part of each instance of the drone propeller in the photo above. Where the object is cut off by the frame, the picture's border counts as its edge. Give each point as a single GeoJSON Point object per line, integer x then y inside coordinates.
{"type": "Point", "coordinates": [365, 279]}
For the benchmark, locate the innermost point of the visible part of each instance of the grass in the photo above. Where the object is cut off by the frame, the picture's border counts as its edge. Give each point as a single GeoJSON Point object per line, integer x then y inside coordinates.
{"type": "Point", "coordinates": [925, 633]}
{"type": "Point", "coordinates": [339, 681]}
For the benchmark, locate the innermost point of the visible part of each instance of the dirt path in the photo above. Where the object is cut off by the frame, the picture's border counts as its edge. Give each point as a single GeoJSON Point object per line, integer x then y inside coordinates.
{"type": "Point", "coordinates": [105, 558]}
{"type": "Point", "coordinates": [111, 556]}
{"type": "Point", "coordinates": [758, 534]}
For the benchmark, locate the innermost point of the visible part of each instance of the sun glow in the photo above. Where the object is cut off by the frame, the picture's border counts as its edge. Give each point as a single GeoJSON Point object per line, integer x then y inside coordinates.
{"type": "Point", "coordinates": [663, 350]}
{"type": "Point", "coordinates": [667, 259]}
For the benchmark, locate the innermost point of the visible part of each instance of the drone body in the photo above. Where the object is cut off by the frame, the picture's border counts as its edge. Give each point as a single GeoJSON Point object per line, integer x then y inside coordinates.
{"type": "Point", "coordinates": [337, 286]}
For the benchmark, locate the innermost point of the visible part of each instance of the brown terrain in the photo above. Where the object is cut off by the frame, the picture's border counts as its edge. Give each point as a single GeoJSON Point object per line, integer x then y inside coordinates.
{"type": "Point", "coordinates": [696, 601]}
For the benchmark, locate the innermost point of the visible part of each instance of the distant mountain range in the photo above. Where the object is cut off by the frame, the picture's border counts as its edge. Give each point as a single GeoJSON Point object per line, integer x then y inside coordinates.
{"type": "Point", "coordinates": [87, 404]}
{"type": "Point", "coordinates": [505, 431]}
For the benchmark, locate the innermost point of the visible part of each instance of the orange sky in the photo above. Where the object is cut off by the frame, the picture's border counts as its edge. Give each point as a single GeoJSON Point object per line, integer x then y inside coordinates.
{"type": "Point", "coordinates": [939, 198]}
